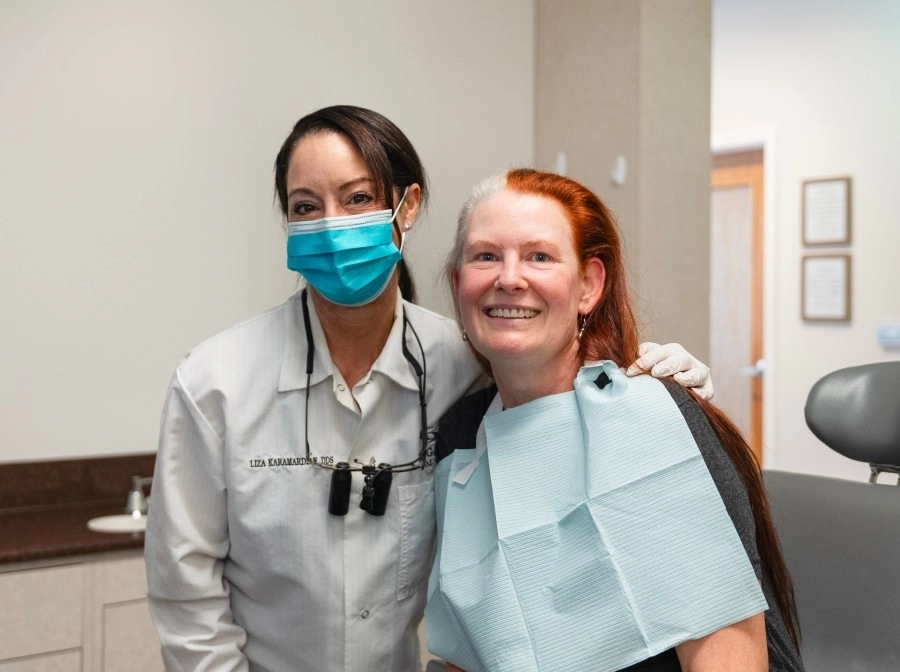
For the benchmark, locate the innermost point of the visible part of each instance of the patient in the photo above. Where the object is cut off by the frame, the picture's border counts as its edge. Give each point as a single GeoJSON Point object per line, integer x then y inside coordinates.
{"type": "Point", "coordinates": [591, 521]}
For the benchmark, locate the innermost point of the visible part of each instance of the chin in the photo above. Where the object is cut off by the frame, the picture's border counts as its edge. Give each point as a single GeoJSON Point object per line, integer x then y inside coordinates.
{"type": "Point", "coordinates": [503, 348]}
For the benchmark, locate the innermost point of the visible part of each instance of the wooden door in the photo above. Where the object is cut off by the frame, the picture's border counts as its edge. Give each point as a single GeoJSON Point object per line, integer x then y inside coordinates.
{"type": "Point", "coordinates": [736, 275]}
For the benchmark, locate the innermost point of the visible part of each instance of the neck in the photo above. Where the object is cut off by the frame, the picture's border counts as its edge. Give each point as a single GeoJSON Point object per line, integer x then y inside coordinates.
{"type": "Point", "coordinates": [356, 336]}
{"type": "Point", "coordinates": [519, 382]}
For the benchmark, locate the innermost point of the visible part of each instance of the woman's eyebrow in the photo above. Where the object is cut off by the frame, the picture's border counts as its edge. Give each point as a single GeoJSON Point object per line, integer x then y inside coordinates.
{"type": "Point", "coordinates": [355, 182]}
{"type": "Point", "coordinates": [540, 242]}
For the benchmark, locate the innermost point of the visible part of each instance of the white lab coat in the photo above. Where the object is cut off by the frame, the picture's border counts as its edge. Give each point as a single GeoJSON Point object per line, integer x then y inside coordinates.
{"type": "Point", "coordinates": [246, 568]}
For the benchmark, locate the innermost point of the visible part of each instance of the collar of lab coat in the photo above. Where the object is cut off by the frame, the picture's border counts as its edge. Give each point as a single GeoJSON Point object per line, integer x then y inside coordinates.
{"type": "Point", "coordinates": [390, 362]}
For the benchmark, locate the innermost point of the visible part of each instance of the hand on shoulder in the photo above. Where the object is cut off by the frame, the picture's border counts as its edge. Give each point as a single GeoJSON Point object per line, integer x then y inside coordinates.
{"type": "Point", "coordinates": [671, 359]}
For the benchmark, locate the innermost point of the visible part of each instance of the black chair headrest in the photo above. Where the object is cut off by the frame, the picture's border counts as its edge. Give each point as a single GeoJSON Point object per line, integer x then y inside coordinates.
{"type": "Point", "coordinates": [856, 412]}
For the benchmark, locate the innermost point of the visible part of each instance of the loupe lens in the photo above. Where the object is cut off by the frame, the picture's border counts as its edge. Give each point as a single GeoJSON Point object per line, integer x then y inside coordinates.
{"type": "Point", "coordinates": [339, 495]}
{"type": "Point", "coordinates": [381, 488]}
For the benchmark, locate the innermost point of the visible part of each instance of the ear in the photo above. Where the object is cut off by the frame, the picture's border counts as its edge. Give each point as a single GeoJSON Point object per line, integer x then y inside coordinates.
{"type": "Point", "coordinates": [410, 208]}
{"type": "Point", "coordinates": [593, 278]}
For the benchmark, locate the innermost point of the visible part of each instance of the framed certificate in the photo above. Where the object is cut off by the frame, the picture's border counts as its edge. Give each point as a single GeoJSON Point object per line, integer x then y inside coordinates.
{"type": "Point", "coordinates": [826, 211]}
{"type": "Point", "coordinates": [826, 288]}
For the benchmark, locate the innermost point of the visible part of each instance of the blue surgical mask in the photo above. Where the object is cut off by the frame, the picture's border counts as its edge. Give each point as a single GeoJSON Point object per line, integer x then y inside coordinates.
{"type": "Point", "coordinates": [348, 260]}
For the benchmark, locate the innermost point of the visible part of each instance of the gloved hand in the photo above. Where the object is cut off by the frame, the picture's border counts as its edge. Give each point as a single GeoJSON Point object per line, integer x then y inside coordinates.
{"type": "Point", "coordinates": [664, 360]}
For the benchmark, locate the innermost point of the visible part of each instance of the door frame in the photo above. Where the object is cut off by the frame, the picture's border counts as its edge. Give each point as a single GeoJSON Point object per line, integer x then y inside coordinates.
{"type": "Point", "coordinates": [749, 139]}
{"type": "Point", "coordinates": [743, 170]}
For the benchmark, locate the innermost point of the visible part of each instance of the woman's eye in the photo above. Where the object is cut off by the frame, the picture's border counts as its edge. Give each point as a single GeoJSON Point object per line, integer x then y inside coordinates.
{"type": "Point", "coordinates": [301, 209]}
{"type": "Point", "coordinates": [485, 256]}
{"type": "Point", "coordinates": [360, 199]}
{"type": "Point", "coordinates": [540, 256]}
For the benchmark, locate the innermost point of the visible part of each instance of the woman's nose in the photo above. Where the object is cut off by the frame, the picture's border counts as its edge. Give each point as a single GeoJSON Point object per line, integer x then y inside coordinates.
{"type": "Point", "coordinates": [511, 277]}
{"type": "Point", "coordinates": [333, 210]}
{"type": "Point", "coordinates": [332, 206]}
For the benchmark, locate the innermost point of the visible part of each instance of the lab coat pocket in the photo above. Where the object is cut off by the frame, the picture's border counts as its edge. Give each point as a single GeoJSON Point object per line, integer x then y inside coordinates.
{"type": "Point", "coordinates": [417, 526]}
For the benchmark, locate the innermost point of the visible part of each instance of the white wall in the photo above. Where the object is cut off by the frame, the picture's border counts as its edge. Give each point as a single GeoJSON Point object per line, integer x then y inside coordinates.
{"type": "Point", "coordinates": [819, 79]}
{"type": "Point", "coordinates": [136, 150]}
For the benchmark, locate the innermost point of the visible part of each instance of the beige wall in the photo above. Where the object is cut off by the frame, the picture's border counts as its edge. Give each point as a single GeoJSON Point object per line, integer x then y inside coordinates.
{"type": "Point", "coordinates": [632, 79]}
{"type": "Point", "coordinates": [136, 209]}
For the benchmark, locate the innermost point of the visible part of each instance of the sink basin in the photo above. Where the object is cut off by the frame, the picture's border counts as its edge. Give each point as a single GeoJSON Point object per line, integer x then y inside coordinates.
{"type": "Point", "coordinates": [121, 523]}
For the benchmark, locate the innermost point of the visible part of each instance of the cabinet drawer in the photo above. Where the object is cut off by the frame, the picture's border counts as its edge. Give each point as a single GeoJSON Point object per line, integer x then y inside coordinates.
{"type": "Point", "coordinates": [120, 580]}
{"type": "Point", "coordinates": [129, 638]}
{"type": "Point", "coordinates": [64, 661]}
{"type": "Point", "coordinates": [42, 610]}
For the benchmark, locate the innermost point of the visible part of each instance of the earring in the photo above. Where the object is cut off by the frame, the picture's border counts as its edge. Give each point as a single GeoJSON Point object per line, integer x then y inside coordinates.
{"type": "Point", "coordinates": [583, 320]}
{"type": "Point", "coordinates": [407, 226]}
{"type": "Point", "coordinates": [465, 335]}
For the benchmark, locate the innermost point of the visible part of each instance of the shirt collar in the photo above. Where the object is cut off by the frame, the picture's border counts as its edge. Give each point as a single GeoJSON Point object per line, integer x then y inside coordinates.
{"type": "Point", "coordinates": [390, 362]}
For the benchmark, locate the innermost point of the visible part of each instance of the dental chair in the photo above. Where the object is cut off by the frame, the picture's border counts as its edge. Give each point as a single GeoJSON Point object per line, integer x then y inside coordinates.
{"type": "Point", "coordinates": [841, 538]}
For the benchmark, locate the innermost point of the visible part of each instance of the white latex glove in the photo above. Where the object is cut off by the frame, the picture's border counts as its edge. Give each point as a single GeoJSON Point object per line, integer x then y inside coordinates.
{"type": "Point", "coordinates": [664, 360]}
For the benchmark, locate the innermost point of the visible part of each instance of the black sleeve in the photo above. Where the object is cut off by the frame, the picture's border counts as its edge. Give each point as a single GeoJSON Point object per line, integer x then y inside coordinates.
{"type": "Point", "coordinates": [458, 427]}
{"type": "Point", "coordinates": [725, 476]}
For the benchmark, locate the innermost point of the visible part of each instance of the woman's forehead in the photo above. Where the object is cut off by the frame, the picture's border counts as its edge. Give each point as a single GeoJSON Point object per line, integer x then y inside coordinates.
{"type": "Point", "coordinates": [513, 211]}
{"type": "Point", "coordinates": [325, 160]}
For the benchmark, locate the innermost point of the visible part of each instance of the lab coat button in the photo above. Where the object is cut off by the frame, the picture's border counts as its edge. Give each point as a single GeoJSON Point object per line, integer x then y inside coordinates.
{"type": "Point", "coordinates": [340, 387]}
{"type": "Point", "coordinates": [364, 614]}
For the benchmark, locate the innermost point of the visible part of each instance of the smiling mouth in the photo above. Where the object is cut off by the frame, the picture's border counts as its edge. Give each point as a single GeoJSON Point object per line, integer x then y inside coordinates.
{"type": "Point", "coordinates": [512, 313]}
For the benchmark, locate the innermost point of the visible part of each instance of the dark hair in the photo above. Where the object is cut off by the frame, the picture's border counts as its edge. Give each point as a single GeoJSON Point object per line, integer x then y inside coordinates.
{"type": "Point", "coordinates": [389, 155]}
{"type": "Point", "coordinates": [610, 332]}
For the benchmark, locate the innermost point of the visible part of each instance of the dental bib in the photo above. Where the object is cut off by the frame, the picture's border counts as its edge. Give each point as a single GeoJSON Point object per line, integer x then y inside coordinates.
{"type": "Point", "coordinates": [583, 532]}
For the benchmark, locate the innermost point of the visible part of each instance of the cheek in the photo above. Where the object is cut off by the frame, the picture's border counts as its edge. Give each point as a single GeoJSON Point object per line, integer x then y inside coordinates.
{"type": "Point", "coordinates": [564, 292]}
{"type": "Point", "coordinates": [469, 288]}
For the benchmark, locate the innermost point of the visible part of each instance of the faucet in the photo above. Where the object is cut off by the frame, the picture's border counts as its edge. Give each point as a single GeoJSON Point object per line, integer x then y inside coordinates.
{"type": "Point", "coordinates": [137, 501]}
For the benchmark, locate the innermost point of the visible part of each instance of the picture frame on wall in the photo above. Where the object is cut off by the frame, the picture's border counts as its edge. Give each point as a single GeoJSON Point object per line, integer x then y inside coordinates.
{"type": "Point", "coordinates": [826, 211]}
{"type": "Point", "coordinates": [825, 295]}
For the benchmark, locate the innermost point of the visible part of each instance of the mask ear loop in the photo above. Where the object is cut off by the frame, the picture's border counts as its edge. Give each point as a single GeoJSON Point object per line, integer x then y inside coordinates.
{"type": "Point", "coordinates": [393, 223]}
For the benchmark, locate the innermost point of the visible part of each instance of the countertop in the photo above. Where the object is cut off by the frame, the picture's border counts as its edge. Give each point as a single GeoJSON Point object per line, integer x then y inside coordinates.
{"type": "Point", "coordinates": [45, 506]}
{"type": "Point", "coordinates": [40, 533]}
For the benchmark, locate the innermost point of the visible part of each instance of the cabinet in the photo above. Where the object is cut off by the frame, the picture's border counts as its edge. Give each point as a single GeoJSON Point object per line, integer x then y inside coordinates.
{"type": "Point", "coordinates": [90, 615]}
{"type": "Point", "coordinates": [41, 622]}
{"type": "Point", "coordinates": [122, 632]}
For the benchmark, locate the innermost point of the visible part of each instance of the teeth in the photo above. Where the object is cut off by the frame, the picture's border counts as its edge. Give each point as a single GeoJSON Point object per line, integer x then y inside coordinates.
{"type": "Point", "coordinates": [512, 312]}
